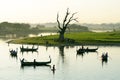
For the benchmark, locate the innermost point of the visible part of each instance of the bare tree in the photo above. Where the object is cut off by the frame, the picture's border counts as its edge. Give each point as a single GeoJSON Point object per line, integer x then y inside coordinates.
{"type": "Point", "coordinates": [62, 28]}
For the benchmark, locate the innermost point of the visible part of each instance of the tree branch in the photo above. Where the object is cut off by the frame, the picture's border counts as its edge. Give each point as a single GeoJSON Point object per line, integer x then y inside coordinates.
{"type": "Point", "coordinates": [58, 22]}
{"type": "Point", "coordinates": [71, 19]}
{"type": "Point", "coordinates": [65, 19]}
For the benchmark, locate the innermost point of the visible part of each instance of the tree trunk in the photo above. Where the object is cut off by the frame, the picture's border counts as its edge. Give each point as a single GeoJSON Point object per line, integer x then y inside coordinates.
{"type": "Point", "coordinates": [62, 28]}
{"type": "Point", "coordinates": [61, 36]}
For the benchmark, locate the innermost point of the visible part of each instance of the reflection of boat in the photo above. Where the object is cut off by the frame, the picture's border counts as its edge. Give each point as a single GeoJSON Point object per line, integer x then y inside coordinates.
{"type": "Point", "coordinates": [82, 50]}
{"type": "Point", "coordinates": [28, 49]}
{"type": "Point", "coordinates": [35, 63]}
{"type": "Point", "coordinates": [13, 52]}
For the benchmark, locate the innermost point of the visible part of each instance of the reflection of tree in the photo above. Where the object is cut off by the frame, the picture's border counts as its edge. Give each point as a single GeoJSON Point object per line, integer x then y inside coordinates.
{"type": "Point", "coordinates": [61, 52]}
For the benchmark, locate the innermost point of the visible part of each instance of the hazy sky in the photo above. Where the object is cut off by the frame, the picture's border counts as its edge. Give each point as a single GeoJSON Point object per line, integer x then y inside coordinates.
{"type": "Point", "coordinates": [42, 11]}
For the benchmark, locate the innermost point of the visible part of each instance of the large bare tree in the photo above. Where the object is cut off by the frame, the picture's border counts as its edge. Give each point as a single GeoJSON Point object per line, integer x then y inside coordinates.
{"type": "Point", "coordinates": [66, 21]}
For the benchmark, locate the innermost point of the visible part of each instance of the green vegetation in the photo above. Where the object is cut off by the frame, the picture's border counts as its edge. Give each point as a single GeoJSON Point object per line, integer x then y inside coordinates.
{"type": "Point", "coordinates": [92, 38]}
{"type": "Point", "coordinates": [18, 29]}
{"type": "Point", "coordinates": [13, 30]}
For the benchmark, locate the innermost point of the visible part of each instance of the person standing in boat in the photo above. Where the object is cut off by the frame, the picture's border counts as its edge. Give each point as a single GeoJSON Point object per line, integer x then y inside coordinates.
{"type": "Point", "coordinates": [33, 47]}
{"type": "Point", "coordinates": [53, 69]}
{"type": "Point", "coordinates": [103, 55]}
{"type": "Point", "coordinates": [106, 55]}
{"type": "Point", "coordinates": [82, 47]}
{"type": "Point", "coordinates": [34, 60]}
{"type": "Point", "coordinates": [87, 48]}
{"type": "Point", "coordinates": [22, 60]}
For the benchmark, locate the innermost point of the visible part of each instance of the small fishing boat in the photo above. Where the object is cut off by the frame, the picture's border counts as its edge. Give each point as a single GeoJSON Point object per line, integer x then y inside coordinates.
{"type": "Point", "coordinates": [82, 50]}
{"type": "Point", "coordinates": [13, 52]}
{"type": "Point", "coordinates": [34, 63]}
{"type": "Point", "coordinates": [28, 49]}
{"type": "Point", "coordinates": [91, 50]}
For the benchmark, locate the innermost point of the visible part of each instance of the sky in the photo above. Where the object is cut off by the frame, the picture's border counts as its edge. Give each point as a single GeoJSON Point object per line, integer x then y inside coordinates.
{"type": "Point", "coordinates": [45, 11]}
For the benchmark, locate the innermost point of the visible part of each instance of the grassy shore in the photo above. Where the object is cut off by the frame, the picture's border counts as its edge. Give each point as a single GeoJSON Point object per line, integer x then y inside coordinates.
{"type": "Point", "coordinates": [85, 38]}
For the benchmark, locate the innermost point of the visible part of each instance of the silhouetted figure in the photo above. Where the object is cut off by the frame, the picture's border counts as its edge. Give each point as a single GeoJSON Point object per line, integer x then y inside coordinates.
{"type": "Point", "coordinates": [22, 60]}
{"type": "Point", "coordinates": [82, 47]}
{"type": "Point", "coordinates": [87, 48]}
{"type": "Point", "coordinates": [33, 47]}
{"type": "Point", "coordinates": [53, 69]}
{"type": "Point", "coordinates": [106, 55]}
{"type": "Point", "coordinates": [104, 58]}
{"type": "Point", "coordinates": [34, 60]}
{"type": "Point", "coordinates": [22, 45]}
{"type": "Point", "coordinates": [102, 55]}
{"type": "Point", "coordinates": [34, 63]}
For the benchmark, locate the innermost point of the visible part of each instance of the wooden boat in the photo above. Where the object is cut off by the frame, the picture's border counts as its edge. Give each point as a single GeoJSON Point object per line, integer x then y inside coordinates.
{"type": "Point", "coordinates": [35, 63]}
{"type": "Point", "coordinates": [13, 52]}
{"type": "Point", "coordinates": [86, 50]}
{"type": "Point", "coordinates": [91, 50]}
{"type": "Point", "coordinates": [80, 51]}
{"type": "Point", "coordinates": [28, 49]}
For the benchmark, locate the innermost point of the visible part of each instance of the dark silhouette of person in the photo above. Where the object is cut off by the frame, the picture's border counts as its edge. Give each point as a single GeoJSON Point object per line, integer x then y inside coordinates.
{"type": "Point", "coordinates": [53, 69]}
{"type": "Point", "coordinates": [106, 55]}
{"type": "Point", "coordinates": [34, 60]}
{"type": "Point", "coordinates": [22, 60]}
{"type": "Point", "coordinates": [82, 47]}
{"type": "Point", "coordinates": [103, 55]}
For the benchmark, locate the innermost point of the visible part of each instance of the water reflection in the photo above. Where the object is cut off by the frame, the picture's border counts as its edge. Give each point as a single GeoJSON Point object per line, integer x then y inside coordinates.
{"type": "Point", "coordinates": [61, 52]}
{"type": "Point", "coordinates": [104, 62]}
{"type": "Point", "coordinates": [14, 56]}
{"type": "Point", "coordinates": [65, 62]}
{"type": "Point", "coordinates": [34, 66]}
{"type": "Point", "coordinates": [28, 52]}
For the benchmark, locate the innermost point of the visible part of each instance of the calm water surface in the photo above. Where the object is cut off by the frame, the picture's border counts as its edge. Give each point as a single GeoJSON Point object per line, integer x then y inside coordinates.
{"type": "Point", "coordinates": [69, 64]}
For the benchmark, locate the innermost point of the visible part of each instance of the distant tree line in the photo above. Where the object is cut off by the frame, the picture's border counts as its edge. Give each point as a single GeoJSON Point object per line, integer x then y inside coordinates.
{"type": "Point", "coordinates": [18, 29]}
{"type": "Point", "coordinates": [104, 26]}
{"type": "Point", "coordinates": [77, 28]}
{"type": "Point", "coordinates": [23, 30]}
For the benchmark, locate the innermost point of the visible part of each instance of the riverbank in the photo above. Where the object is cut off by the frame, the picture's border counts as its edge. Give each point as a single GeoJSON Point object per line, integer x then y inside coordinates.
{"type": "Point", "coordinates": [82, 38]}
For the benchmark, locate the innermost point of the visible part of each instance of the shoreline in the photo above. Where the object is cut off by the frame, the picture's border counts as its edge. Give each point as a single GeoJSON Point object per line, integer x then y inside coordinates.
{"type": "Point", "coordinates": [73, 39]}
{"type": "Point", "coordinates": [76, 44]}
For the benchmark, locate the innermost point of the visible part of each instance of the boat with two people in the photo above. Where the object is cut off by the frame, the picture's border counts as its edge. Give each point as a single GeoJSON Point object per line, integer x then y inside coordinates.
{"type": "Point", "coordinates": [28, 49]}
{"type": "Point", "coordinates": [35, 63]}
{"type": "Point", "coordinates": [83, 50]}
{"type": "Point", "coordinates": [13, 52]}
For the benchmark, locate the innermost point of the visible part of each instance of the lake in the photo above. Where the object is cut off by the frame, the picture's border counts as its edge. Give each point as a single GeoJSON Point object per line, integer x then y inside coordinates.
{"type": "Point", "coordinates": [69, 65]}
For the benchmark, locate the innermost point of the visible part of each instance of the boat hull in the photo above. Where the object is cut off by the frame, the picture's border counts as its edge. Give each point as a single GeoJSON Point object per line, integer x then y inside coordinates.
{"type": "Point", "coordinates": [28, 49]}
{"type": "Point", "coordinates": [86, 50]}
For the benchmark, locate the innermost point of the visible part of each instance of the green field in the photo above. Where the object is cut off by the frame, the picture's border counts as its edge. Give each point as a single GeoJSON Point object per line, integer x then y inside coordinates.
{"type": "Point", "coordinates": [85, 38]}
